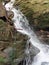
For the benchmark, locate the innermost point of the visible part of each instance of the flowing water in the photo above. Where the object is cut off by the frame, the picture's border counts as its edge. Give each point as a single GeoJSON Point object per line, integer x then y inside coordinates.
{"type": "Point", "coordinates": [21, 25]}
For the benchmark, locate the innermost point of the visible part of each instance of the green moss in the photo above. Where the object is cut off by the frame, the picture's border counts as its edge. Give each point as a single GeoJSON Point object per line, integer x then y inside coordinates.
{"type": "Point", "coordinates": [2, 59]}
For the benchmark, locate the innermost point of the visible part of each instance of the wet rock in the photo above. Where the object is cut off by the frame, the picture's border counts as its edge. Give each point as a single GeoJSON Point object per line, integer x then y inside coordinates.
{"type": "Point", "coordinates": [32, 50]}
{"type": "Point", "coordinates": [45, 63]}
{"type": "Point", "coordinates": [10, 14]}
{"type": "Point", "coordinates": [22, 62]}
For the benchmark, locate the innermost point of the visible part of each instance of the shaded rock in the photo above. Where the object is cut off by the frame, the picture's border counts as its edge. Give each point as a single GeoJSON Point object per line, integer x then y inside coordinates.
{"type": "Point", "coordinates": [22, 62]}
{"type": "Point", "coordinates": [32, 50]}
{"type": "Point", "coordinates": [45, 63]}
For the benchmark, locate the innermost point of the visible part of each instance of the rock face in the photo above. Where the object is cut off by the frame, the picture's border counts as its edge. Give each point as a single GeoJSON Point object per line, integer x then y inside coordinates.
{"type": "Point", "coordinates": [11, 39]}
{"type": "Point", "coordinates": [45, 63]}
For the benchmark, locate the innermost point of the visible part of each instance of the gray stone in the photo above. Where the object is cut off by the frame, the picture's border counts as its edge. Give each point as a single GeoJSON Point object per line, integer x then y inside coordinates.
{"type": "Point", "coordinates": [45, 63]}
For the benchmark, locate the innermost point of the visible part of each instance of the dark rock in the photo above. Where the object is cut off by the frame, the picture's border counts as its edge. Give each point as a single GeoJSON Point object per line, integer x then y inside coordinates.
{"type": "Point", "coordinates": [32, 50]}
{"type": "Point", "coordinates": [45, 63]}
{"type": "Point", "coordinates": [22, 62]}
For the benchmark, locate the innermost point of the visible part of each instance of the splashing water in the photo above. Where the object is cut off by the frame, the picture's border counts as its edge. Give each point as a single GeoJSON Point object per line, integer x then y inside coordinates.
{"type": "Point", "coordinates": [20, 22]}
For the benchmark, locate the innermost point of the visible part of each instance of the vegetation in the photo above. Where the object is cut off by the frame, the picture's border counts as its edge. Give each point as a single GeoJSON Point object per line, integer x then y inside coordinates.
{"type": "Point", "coordinates": [35, 10]}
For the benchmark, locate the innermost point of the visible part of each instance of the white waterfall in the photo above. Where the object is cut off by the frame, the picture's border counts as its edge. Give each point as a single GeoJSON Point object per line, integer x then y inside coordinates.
{"type": "Point", "coordinates": [21, 25]}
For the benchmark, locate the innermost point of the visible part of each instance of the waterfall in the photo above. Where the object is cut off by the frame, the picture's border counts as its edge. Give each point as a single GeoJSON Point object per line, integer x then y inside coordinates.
{"type": "Point", "coordinates": [21, 25]}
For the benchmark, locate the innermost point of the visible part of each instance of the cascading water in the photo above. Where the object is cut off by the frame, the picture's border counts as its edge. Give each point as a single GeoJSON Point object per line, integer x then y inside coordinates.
{"type": "Point", "coordinates": [22, 26]}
